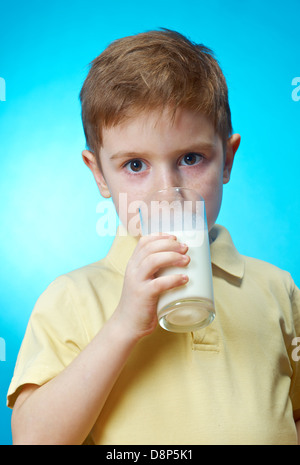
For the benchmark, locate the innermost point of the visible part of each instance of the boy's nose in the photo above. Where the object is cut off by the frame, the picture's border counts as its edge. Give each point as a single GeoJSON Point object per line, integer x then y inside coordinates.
{"type": "Point", "coordinates": [167, 178]}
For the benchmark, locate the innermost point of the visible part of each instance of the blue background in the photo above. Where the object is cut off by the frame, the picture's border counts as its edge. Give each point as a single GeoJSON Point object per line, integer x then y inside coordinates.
{"type": "Point", "coordinates": [48, 197]}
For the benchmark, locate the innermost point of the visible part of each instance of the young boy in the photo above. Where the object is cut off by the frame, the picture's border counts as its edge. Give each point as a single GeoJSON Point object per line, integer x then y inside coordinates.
{"type": "Point", "coordinates": [95, 367]}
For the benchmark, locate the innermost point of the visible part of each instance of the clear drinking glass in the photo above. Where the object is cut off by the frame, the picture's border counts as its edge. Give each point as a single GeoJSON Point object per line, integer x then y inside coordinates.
{"type": "Point", "coordinates": [181, 211]}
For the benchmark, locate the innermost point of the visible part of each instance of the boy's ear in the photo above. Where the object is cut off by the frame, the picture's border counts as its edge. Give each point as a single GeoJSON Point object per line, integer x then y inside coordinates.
{"type": "Point", "coordinates": [90, 160]}
{"type": "Point", "coordinates": [232, 145]}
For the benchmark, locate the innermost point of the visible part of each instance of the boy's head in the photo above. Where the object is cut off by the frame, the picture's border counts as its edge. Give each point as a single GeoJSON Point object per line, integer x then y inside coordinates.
{"type": "Point", "coordinates": [152, 71]}
{"type": "Point", "coordinates": [155, 113]}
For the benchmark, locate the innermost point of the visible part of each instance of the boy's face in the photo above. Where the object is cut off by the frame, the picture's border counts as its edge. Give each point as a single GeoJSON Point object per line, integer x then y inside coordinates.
{"type": "Point", "coordinates": [152, 152]}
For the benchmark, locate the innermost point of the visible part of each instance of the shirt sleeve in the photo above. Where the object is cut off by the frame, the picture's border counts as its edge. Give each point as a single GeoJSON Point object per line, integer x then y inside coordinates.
{"type": "Point", "coordinates": [295, 353]}
{"type": "Point", "coordinates": [55, 335]}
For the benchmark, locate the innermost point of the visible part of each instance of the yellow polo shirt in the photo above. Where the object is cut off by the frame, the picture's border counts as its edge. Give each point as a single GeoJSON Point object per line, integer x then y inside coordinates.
{"type": "Point", "coordinates": [234, 382]}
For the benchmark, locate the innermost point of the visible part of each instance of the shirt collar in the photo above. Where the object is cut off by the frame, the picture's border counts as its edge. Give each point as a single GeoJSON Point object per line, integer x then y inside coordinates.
{"type": "Point", "coordinates": [223, 253]}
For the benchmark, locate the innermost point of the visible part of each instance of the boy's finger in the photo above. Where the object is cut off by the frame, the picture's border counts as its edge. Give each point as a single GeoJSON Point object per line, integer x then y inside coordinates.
{"type": "Point", "coordinates": [157, 261]}
{"type": "Point", "coordinates": [157, 235]}
{"type": "Point", "coordinates": [167, 282]}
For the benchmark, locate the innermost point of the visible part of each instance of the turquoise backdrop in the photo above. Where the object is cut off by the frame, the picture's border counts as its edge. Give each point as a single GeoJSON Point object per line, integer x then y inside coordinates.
{"type": "Point", "coordinates": [48, 197]}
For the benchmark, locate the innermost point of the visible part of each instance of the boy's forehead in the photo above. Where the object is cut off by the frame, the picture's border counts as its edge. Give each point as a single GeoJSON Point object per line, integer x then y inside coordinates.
{"type": "Point", "coordinates": [183, 126]}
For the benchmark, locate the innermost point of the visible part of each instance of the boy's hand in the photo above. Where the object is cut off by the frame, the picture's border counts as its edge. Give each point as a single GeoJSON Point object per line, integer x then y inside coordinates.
{"type": "Point", "coordinates": [142, 286]}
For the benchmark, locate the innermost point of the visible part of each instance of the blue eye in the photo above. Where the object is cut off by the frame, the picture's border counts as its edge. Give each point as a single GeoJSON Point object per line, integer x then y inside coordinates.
{"type": "Point", "coordinates": [191, 159]}
{"type": "Point", "coordinates": [135, 166]}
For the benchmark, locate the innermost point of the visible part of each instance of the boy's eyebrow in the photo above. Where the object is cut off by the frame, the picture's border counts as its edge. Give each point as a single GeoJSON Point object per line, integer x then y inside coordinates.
{"type": "Point", "coordinates": [193, 147]}
{"type": "Point", "coordinates": [124, 153]}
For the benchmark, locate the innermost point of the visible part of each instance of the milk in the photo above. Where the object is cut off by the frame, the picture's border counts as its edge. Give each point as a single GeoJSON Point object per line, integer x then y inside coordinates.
{"type": "Point", "coordinates": [190, 306]}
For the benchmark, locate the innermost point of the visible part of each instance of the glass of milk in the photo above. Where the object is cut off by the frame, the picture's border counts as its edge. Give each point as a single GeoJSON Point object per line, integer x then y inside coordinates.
{"type": "Point", "coordinates": [181, 211]}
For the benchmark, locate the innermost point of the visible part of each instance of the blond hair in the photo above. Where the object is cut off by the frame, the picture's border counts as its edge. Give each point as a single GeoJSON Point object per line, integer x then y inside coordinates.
{"type": "Point", "coordinates": [151, 71]}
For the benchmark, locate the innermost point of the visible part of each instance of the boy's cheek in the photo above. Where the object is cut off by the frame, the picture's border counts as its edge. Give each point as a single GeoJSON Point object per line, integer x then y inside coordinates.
{"type": "Point", "coordinates": [212, 207]}
{"type": "Point", "coordinates": [130, 218]}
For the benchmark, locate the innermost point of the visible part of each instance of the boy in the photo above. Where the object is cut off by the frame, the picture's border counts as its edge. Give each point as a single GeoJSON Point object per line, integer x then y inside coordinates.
{"type": "Point", "coordinates": [94, 366]}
